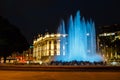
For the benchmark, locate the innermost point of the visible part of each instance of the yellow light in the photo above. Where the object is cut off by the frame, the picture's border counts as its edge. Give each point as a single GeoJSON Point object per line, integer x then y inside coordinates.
{"type": "Point", "coordinates": [47, 48]}
{"type": "Point", "coordinates": [58, 47]}
{"type": "Point", "coordinates": [34, 42]}
{"type": "Point", "coordinates": [52, 52]}
{"type": "Point", "coordinates": [43, 38]}
{"type": "Point", "coordinates": [47, 35]}
{"type": "Point", "coordinates": [52, 35]}
{"type": "Point", "coordinates": [52, 47]}
{"type": "Point", "coordinates": [105, 34]}
{"type": "Point", "coordinates": [58, 52]}
{"type": "Point", "coordinates": [40, 38]}
{"type": "Point", "coordinates": [58, 35]}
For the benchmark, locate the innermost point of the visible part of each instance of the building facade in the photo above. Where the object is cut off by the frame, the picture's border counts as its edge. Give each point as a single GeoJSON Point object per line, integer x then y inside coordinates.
{"type": "Point", "coordinates": [46, 47]}
{"type": "Point", "coordinates": [108, 45]}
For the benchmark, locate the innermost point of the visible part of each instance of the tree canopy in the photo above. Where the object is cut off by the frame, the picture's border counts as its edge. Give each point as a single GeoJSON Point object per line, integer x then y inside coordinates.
{"type": "Point", "coordinates": [11, 39]}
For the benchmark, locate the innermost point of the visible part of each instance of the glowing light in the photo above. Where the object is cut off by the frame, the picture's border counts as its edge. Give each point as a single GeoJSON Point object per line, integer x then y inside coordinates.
{"type": "Point", "coordinates": [64, 35]}
{"type": "Point", "coordinates": [112, 33]}
{"type": "Point", "coordinates": [114, 63]}
{"type": "Point", "coordinates": [52, 48]}
{"type": "Point", "coordinates": [52, 35]}
{"type": "Point", "coordinates": [105, 34]}
{"type": "Point", "coordinates": [58, 35]}
{"type": "Point", "coordinates": [87, 34]}
{"type": "Point", "coordinates": [47, 48]}
{"type": "Point", "coordinates": [40, 62]}
{"type": "Point", "coordinates": [34, 42]}
{"type": "Point", "coordinates": [47, 35]}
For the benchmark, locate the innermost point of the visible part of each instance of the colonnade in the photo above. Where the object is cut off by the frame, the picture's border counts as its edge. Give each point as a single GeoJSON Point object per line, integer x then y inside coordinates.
{"type": "Point", "coordinates": [48, 47]}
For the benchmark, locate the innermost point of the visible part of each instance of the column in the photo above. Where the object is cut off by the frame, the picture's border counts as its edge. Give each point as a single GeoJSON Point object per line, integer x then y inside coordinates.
{"type": "Point", "coordinates": [44, 49]}
{"type": "Point", "coordinates": [52, 47]}
{"type": "Point", "coordinates": [36, 52]}
{"type": "Point", "coordinates": [39, 54]}
{"type": "Point", "coordinates": [58, 47]}
{"type": "Point", "coordinates": [40, 51]}
{"type": "Point", "coordinates": [47, 48]}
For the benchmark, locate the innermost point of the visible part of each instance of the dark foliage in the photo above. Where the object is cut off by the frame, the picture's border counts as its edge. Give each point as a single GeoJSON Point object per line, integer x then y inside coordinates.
{"type": "Point", "coordinates": [76, 63]}
{"type": "Point", "coordinates": [11, 39]}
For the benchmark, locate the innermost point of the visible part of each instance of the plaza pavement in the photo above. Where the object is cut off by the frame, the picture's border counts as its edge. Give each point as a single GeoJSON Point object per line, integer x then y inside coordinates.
{"type": "Point", "coordinates": [37, 72]}
{"type": "Point", "coordinates": [36, 75]}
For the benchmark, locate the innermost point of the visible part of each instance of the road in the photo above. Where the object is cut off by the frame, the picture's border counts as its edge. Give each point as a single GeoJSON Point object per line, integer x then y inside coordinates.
{"type": "Point", "coordinates": [38, 75]}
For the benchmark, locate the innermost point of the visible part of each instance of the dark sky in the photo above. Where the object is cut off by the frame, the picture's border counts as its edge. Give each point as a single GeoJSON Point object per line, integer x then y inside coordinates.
{"type": "Point", "coordinates": [39, 16]}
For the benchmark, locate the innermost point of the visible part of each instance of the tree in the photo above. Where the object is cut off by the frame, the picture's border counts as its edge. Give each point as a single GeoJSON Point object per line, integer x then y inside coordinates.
{"type": "Point", "coordinates": [11, 39]}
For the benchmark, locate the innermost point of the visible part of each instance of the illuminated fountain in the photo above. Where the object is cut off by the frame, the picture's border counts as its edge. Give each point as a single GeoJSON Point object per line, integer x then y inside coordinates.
{"type": "Point", "coordinates": [80, 43]}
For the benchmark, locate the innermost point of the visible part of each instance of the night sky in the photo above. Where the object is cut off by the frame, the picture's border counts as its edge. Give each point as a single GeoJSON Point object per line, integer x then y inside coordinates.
{"type": "Point", "coordinates": [39, 16]}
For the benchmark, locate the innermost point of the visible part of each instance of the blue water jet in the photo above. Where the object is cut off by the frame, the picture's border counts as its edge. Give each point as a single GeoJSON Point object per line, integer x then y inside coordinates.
{"type": "Point", "coordinates": [80, 43]}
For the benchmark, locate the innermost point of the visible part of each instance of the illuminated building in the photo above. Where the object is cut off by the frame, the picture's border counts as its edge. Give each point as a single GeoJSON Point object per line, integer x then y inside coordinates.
{"type": "Point", "coordinates": [46, 47]}
{"type": "Point", "coordinates": [17, 57]}
{"type": "Point", "coordinates": [108, 42]}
